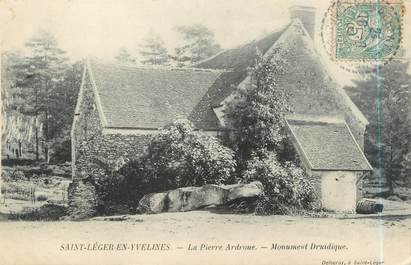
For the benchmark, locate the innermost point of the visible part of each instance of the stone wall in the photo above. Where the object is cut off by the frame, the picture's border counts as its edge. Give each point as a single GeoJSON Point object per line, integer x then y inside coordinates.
{"type": "Point", "coordinates": [316, 181]}
{"type": "Point", "coordinates": [82, 199]}
{"type": "Point", "coordinates": [108, 148]}
{"type": "Point", "coordinates": [86, 125]}
{"type": "Point", "coordinates": [317, 177]}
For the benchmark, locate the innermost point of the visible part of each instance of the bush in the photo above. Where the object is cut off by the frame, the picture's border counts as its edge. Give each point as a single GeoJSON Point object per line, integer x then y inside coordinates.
{"type": "Point", "coordinates": [118, 194]}
{"type": "Point", "coordinates": [18, 162]}
{"type": "Point", "coordinates": [286, 187]}
{"type": "Point", "coordinates": [180, 157]}
{"type": "Point", "coordinates": [35, 172]}
{"type": "Point", "coordinates": [82, 199]}
{"type": "Point", "coordinates": [18, 190]}
{"type": "Point", "coordinates": [17, 175]}
{"type": "Point", "coordinates": [5, 175]}
{"type": "Point", "coordinates": [41, 197]}
{"type": "Point", "coordinates": [176, 157]}
{"type": "Point", "coordinates": [47, 212]}
{"type": "Point", "coordinates": [61, 151]}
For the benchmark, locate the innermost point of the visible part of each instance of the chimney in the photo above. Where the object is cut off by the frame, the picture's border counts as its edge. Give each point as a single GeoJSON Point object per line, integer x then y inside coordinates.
{"type": "Point", "coordinates": [307, 16]}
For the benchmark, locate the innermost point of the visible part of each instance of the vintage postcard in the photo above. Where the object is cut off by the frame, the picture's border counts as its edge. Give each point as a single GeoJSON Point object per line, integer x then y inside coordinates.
{"type": "Point", "coordinates": [205, 132]}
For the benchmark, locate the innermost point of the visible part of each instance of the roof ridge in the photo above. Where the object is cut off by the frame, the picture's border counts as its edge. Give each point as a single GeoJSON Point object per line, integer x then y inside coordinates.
{"type": "Point", "coordinates": [255, 40]}
{"type": "Point", "coordinates": [163, 67]}
{"type": "Point", "coordinates": [329, 119]}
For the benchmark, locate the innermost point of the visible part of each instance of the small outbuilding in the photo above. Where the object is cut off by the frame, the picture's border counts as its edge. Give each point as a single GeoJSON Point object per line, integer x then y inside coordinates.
{"type": "Point", "coordinates": [332, 157]}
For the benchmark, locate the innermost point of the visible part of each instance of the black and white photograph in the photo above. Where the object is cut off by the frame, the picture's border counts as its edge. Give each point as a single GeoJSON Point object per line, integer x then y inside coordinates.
{"type": "Point", "coordinates": [205, 132]}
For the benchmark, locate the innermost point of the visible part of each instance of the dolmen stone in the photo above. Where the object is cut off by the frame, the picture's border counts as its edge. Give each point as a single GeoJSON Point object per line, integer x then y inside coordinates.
{"type": "Point", "coordinates": [192, 198]}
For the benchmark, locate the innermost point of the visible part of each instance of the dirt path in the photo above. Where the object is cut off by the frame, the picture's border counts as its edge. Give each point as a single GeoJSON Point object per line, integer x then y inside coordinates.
{"type": "Point", "coordinates": [48, 243]}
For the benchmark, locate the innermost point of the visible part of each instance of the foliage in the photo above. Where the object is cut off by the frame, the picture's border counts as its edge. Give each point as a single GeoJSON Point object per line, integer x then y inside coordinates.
{"type": "Point", "coordinates": [41, 94]}
{"type": "Point", "coordinates": [286, 187]}
{"type": "Point", "coordinates": [406, 166]}
{"type": "Point", "coordinates": [64, 100]}
{"type": "Point", "coordinates": [41, 197]}
{"type": "Point", "coordinates": [199, 44]}
{"type": "Point", "coordinates": [117, 192]}
{"type": "Point", "coordinates": [82, 199]}
{"type": "Point", "coordinates": [18, 189]}
{"type": "Point", "coordinates": [47, 212]}
{"type": "Point", "coordinates": [123, 56]}
{"type": "Point", "coordinates": [176, 157]}
{"type": "Point", "coordinates": [61, 150]}
{"type": "Point", "coordinates": [153, 51]}
{"type": "Point", "coordinates": [263, 151]}
{"type": "Point", "coordinates": [13, 175]}
{"type": "Point", "coordinates": [257, 113]}
{"type": "Point", "coordinates": [17, 129]}
{"type": "Point", "coordinates": [384, 98]}
{"type": "Point", "coordinates": [17, 162]}
{"type": "Point", "coordinates": [179, 156]}
{"type": "Point", "coordinates": [9, 97]}
{"type": "Point", "coordinates": [17, 175]}
{"type": "Point", "coordinates": [39, 76]}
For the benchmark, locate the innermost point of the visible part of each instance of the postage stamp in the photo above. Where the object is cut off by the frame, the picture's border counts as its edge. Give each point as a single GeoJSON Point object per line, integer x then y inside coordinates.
{"type": "Point", "coordinates": [367, 30]}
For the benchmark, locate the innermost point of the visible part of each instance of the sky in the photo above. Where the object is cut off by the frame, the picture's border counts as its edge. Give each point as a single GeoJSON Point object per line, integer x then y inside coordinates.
{"type": "Point", "coordinates": [101, 27]}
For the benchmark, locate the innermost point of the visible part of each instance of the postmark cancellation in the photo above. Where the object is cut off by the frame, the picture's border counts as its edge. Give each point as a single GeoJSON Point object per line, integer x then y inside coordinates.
{"type": "Point", "coordinates": [363, 31]}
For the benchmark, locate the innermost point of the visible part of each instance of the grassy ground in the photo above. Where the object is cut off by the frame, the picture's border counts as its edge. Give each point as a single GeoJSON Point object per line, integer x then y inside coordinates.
{"type": "Point", "coordinates": [365, 239]}
{"type": "Point", "coordinates": [22, 189]}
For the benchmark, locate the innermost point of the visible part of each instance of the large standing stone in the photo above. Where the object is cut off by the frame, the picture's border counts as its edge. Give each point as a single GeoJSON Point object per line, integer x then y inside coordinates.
{"type": "Point", "coordinates": [192, 198]}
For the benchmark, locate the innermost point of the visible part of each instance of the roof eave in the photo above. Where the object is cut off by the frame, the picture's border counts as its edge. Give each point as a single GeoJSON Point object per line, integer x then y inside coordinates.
{"type": "Point", "coordinates": [96, 95]}
{"type": "Point", "coordinates": [341, 169]}
{"type": "Point", "coordinates": [299, 147]}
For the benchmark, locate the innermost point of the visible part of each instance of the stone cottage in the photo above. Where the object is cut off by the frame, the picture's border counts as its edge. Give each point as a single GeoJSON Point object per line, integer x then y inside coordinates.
{"type": "Point", "coordinates": [119, 107]}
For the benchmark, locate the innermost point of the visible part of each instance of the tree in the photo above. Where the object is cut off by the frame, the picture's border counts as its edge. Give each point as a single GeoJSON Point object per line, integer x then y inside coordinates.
{"type": "Point", "coordinates": [406, 165]}
{"type": "Point", "coordinates": [9, 90]}
{"type": "Point", "coordinates": [123, 56]}
{"type": "Point", "coordinates": [257, 117]}
{"type": "Point", "coordinates": [16, 129]}
{"type": "Point", "coordinates": [384, 98]}
{"type": "Point", "coordinates": [153, 51]}
{"type": "Point", "coordinates": [62, 104]}
{"type": "Point", "coordinates": [257, 113]}
{"type": "Point", "coordinates": [39, 76]}
{"type": "Point", "coordinates": [198, 44]}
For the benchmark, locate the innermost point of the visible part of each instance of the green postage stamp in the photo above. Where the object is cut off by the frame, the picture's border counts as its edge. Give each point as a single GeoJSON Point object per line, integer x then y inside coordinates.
{"type": "Point", "coordinates": [367, 30]}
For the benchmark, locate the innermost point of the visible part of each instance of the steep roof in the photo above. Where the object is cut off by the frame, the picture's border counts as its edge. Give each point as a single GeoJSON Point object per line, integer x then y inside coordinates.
{"type": "Point", "coordinates": [241, 57]}
{"type": "Point", "coordinates": [327, 144]}
{"type": "Point", "coordinates": [310, 85]}
{"type": "Point", "coordinates": [133, 97]}
{"type": "Point", "coordinates": [236, 62]}
{"type": "Point", "coordinates": [149, 98]}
